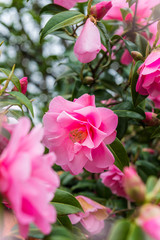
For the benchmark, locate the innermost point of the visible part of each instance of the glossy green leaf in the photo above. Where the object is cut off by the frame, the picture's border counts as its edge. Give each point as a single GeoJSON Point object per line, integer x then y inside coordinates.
{"type": "Point", "coordinates": [23, 100]}
{"type": "Point", "coordinates": [60, 233]}
{"type": "Point", "coordinates": [66, 203]}
{"type": "Point", "coordinates": [119, 153]}
{"type": "Point", "coordinates": [14, 79]}
{"type": "Point", "coordinates": [52, 9]}
{"type": "Point", "coordinates": [61, 20]}
{"type": "Point", "coordinates": [151, 182]}
{"type": "Point", "coordinates": [120, 230]}
{"type": "Point", "coordinates": [136, 97]}
{"type": "Point", "coordinates": [65, 221]}
{"type": "Point", "coordinates": [128, 114]}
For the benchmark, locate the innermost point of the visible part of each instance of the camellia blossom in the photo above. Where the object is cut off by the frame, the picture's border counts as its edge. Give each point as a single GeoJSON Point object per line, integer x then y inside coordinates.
{"type": "Point", "coordinates": [149, 220]}
{"type": "Point", "coordinates": [23, 83]}
{"type": "Point", "coordinates": [68, 3]}
{"type": "Point", "coordinates": [113, 180]}
{"type": "Point", "coordinates": [78, 133]}
{"type": "Point", "coordinates": [88, 44]}
{"type": "Point", "coordinates": [93, 217]}
{"type": "Point", "coordinates": [27, 180]}
{"type": "Point", "coordinates": [149, 74]}
{"type": "Point", "coordinates": [151, 119]}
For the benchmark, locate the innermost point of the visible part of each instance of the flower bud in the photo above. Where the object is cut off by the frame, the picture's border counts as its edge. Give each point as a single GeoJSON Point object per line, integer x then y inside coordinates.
{"type": "Point", "coordinates": [151, 119]}
{"type": "Point", "coordinates": [133, 185]}
{"type": "Point", "coordinates": [88, 80]}
{"type": "Point", "coordinates": [100, 9]}
{"type": "Point", "coordinates": [23, 83]}
{"type": "Point", "coordinates": [137, 56]}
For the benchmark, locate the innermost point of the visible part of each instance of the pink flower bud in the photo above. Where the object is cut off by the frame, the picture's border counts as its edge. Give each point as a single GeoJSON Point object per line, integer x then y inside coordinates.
{"type": "Point", "coordinates": [88, 43]}
{"type": "Point", "coordinates": [100, 9]}
{"type": "Point", "coordinates": [151, 119]}
{"type": "Point", "coordinates": [149, 220]}
{"type": "Point", "coordinates": [133, 185]}
{"type": "Point", "coordinates": [23, 83]}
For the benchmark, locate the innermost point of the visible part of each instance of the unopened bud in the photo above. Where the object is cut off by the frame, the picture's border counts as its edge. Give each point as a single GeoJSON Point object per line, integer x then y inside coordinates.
{"type": "Point", "coordinates": [151, 119]}
{"type": "Point", "coordinates": [23, 83]}
{"type": "Point", "coordinates": [100, 9]}
{"type": "Point", "coordinates": [137, 56]}
{"type": "Point", "coordinates": [133, 185]}
{"type": "Point", "coordinates": [88, 80]}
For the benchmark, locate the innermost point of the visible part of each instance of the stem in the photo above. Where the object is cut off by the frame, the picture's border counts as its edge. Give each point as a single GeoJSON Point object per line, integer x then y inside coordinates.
{"type": "Point", "coordinates": [8, 80]}
{"type": "Point", "coordinates": [89, 6]}
{"type": "Point", "coordinates": [134, 18]}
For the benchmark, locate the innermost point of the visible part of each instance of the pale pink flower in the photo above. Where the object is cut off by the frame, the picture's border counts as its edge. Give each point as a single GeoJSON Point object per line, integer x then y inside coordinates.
{"type": "Point", "coordinates": [27, 180]}
{"type": "Point", "coordinates": [68, 3]}
{"type": "Point", "coordinates": [149, 220]}
{"type": "Point", "coordinates": [113, 180]}
{"type": "Point", "coordinates": [88, 44]}
{"type": "Point", "coordinates": [100, 9]}
{"type": "Point", "coordinates": [23, 83]}
{"type": "Point", "coordinates": [149, 74]}
{"type": "Point", "coordinates": [92, 219]}
{"type": "Point", "coordinates": [133, 185]}
{"type": "Point", "coordinates": [78, 133]}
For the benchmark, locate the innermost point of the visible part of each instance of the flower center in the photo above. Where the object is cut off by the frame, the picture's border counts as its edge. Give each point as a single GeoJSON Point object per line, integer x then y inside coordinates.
{"type": "Point", "coordinates": [78, 135]}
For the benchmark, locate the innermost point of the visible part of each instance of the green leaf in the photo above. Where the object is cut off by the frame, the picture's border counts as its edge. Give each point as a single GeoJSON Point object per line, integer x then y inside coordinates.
{"type": "Point", "coordinates": [142, 44]}
{"type": "Point", "coordinates": [60, 233]}
{"type": "Point", "coordinates": [130, 2]}
{"type": "Point", "coordinates": [35, 232]}
{"type": "Point", "coordinates": [148, 167]}
{"type": "Point", "coordinates": [136, 97]}
{"type": "Point", "coordinates": [120, 230]}
{"type": "Point", "coordinates": [61, 20]}
{"type": "Point", "coordinates": [52, 9]}
{"type": "Point", "coordinates": [23, 100]}
{"type": "Point", "coordinates": [156, 133]}
{"type": "Point", "coordinates": [66, 203]}
{"type": "Point", "coordinates": [14, 79]}
{"type": "Point", "coordinates": [151, 182]}
{"type": "Point", "coordinates": [129, 45]}
{"type": "Point", "coordinates": [129, 114]}
{"type": "Point", "coordinates": [65, 221]}
{"type": "Point", "coordinates": [135, 233]}
{"type": "Point", "coordinates": [119, 153]}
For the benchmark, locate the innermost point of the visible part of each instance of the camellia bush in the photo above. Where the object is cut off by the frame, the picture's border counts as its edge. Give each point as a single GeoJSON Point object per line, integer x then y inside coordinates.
{"type": "Point", "coordinates": [90, 170]}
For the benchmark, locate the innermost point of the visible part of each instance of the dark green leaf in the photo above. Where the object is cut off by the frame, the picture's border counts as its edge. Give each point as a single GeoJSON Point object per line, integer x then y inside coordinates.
{"type": "Point", "coordinates": [136, 97]}
{"type": "Point", "coordinates": [61, 20]}
{"type": "Point", "coordinates": [52, 9]}
{"type": "Point", "coordinates": [23, 100]}
{"type": "Point", "coordinates": [119, 152]}
{"type": "Point", "coordinates": [128, 114]}
{"type": "Point", "coordinates": [156, 133]}
{"type": "Point", "coordinates": [142, 44]}
{"type": "Point", "coordinates": [65, 221]}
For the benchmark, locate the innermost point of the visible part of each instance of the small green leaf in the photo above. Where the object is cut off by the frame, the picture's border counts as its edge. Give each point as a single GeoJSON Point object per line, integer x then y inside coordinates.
{"type": "Point", "coordinates": [64, 221]}
{"type": "Point", "coordinates": [136, 97]}
{"type": "Point", "coordinates": [142, 44]}
{"type": "Point", "coordinates": [130, 2]}
{"type": "Point", "coordinates": [61, 20]}
{"type": "Point", "coordinates": [35, 232]}
{"type": "Point", "coordinates": [14, 79]}
{"type": "Point", "coordinates": [52, 9]}
{"type": "Point", "coordinates": [23, 100]}
{"type": "Point", "coordinates": [120, 230]}
{"type": "Point", "coordinates": [119, 153]}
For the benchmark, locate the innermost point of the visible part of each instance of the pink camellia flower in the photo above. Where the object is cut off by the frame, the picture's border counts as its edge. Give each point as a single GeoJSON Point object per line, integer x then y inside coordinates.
{"type": "Point", "coordinates": [113, 180]}
{"type": "Point", "coordinates": [93, 217]}
{"type": "Point", "coordinates": [151, 119]}
{"type": "Point", "coordinates": [100, 9]}
{"type": "Point", "coordinates": [68, 3]}
{"type": "Point", "coordinates": [78, 133]}
{"type": "Point", "coordinates": [126, 58]}
{"type": "Point", "coordinates": [133, 185]}
{"type": "Point", "coordinates": [149, 220]}
{"type": "Point", "coordinates": [149, 75]}
{"type": "Point", "coordinates": [88, 44]}
{"type": "Point", "coordinates": [23, 83]}
{"type": "Point", "coordinates": [27, 180]}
